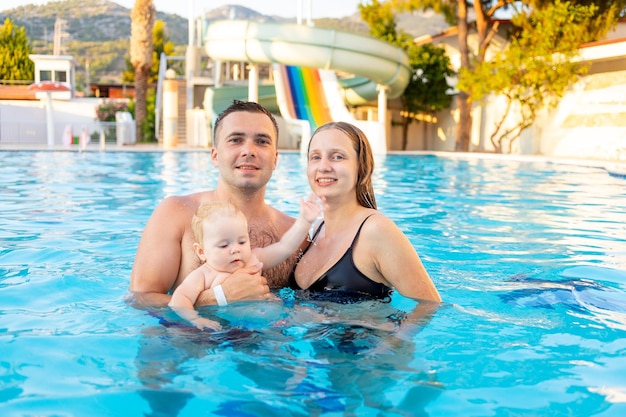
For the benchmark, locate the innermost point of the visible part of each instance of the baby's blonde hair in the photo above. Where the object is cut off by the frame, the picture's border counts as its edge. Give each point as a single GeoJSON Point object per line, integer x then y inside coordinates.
{"type": "Point", "coordinates": [212, 211]}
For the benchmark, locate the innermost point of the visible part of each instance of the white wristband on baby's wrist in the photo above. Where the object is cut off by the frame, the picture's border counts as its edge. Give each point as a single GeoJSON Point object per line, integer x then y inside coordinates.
{"type": "Point", "coordinates": [219, 295]}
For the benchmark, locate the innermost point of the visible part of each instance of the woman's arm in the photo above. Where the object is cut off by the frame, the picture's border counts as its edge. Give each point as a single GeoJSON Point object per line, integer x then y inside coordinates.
{"type": "Point", "coordinates": [394, 260]}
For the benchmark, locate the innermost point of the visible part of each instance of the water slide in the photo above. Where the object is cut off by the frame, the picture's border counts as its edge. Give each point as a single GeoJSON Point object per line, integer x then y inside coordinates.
{"type": "Point", "coordinates": [381, 70]}
{"type": "Point", "coordinates": [300, 94]}
{"type": "Point", "coordinates": [309, 97]}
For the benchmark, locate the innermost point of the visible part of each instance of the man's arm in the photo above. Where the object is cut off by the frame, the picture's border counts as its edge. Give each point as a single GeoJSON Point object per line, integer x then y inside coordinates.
{"type": "Point", "coordinates": [244, 285]}
{"type": "Point", "coordinates": [158, 255]}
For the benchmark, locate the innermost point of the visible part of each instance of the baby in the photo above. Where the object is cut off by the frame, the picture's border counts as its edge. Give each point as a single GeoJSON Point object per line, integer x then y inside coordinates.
{"type": "Point", "coordinates": [222, 242]}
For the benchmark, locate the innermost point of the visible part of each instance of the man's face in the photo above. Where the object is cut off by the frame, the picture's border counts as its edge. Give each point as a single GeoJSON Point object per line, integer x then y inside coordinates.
{"type": "Point", "coordinates": [246, 150]}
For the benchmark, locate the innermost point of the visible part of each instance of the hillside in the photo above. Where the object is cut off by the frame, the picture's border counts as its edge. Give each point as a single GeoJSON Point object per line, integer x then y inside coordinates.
{"type": "Point", "coordinates": [98, 31]}
{"type": "Point", "coordinates": [87, 21]}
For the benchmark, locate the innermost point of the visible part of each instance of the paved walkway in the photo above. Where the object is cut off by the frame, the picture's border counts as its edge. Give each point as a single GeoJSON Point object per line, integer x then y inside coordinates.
{"type": "Point", "coordinates": [147, 147]}
{"type": "Point", "coordinates": [613, 166]}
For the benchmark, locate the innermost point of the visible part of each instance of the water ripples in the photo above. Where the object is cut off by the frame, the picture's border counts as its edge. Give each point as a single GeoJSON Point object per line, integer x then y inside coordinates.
{"type": "Point", "coordinates": [530, 258]}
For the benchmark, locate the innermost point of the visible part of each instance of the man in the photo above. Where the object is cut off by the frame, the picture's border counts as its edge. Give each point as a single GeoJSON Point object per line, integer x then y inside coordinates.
{"type": "Point", "coordinates": [245, 153]}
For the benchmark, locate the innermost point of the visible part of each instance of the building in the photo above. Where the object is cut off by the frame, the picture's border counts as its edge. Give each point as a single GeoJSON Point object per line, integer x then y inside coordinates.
{"type": "Point", "coordinates": [57, 68]}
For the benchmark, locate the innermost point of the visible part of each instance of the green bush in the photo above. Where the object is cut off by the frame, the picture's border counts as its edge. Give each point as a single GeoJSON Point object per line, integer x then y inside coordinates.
{"type": "Point", "coordinates": [105, 112]}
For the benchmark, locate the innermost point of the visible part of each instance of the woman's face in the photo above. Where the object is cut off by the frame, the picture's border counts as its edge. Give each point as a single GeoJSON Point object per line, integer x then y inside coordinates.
{"type": "Point", "coordinates": [332, 164]}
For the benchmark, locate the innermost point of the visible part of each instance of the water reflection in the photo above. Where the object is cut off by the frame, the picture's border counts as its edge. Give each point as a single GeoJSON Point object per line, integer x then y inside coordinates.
{"type": "Point", "coordinates": [300, 355]}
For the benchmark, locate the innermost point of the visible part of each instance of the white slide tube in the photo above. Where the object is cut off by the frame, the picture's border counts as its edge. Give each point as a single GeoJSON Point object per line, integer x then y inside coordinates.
{"type": "Point", "coordinates": [290, 44]}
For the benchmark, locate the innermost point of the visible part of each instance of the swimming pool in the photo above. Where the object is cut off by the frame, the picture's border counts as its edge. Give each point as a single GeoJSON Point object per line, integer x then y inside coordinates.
{"type": "Point", "coordinates": [529, 257]}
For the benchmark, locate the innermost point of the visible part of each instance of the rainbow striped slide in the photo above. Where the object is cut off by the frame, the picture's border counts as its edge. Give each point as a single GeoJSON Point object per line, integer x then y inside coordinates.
{"type": "Point", "coordinates": [305, 95]}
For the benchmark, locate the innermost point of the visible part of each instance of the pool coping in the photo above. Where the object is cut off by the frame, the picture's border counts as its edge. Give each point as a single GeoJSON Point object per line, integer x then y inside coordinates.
{"type": "Point", "coordinates": [614, 167]}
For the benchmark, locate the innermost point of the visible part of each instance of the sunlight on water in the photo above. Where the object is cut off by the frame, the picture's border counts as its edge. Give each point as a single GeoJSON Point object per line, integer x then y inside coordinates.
{"type": "Point", "coordinates": [529, 257]}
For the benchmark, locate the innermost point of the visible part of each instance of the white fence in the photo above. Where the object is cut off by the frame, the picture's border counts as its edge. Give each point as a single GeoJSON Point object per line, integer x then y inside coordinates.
{"type": "Point", "coordinates": [22, 132]}
{"type": "Point", "coordinates": [21, 127]}
{"type": "Point", "coordinates": [34, 133]}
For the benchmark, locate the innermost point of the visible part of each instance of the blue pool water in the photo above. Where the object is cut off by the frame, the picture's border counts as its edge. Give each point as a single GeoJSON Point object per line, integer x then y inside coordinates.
{"type": "Point", "coordinates": [529, 257]}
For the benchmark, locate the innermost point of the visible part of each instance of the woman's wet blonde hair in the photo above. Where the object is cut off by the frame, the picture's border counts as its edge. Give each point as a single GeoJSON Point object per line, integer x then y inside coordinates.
{"type": "Point", "coordinates": [365, 160]}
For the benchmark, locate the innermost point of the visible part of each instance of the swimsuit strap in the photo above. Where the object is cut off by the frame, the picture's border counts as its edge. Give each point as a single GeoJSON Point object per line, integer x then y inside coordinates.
{"type": "Point", "coordinates": [317, 231]}
{"type": "Point", "coordinates": [358, 232]}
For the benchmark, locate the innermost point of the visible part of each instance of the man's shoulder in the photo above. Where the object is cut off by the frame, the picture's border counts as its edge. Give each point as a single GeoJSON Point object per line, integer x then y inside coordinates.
{"type": "Point", "coordinates": [280, 213]}
{"type": "Point", "coordinates": [281, 217]}
{"type": "Point", "coordinates": [179, 206]}
{"type": "Point", "coordinates": [194, 199]}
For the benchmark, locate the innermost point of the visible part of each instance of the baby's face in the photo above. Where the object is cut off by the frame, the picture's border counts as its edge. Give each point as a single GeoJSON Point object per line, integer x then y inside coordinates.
{"type": "Point", "coordinates": [226, 243]}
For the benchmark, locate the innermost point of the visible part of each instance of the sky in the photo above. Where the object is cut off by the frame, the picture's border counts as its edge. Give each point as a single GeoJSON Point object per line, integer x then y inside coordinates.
{"type": "Point", "coordinates": [283, 8]}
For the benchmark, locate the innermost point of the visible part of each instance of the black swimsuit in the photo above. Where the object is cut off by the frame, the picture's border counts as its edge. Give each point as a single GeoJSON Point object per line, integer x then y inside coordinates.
{"type": "Point", "coordinates": [344, 276]}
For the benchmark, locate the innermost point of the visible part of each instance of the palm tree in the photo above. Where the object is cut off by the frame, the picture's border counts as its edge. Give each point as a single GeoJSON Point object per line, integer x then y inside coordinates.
{"type": "Point", "coordinates": [142, 21]}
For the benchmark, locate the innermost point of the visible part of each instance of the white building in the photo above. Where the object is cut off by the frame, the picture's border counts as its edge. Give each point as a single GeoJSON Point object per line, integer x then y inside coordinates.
{"type": "Point", "coordinates": [58, 68]}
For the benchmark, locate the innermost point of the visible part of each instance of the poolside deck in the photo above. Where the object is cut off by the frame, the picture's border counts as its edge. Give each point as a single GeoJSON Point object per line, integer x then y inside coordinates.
{"type": "Point", "coordinates": [614, 167]}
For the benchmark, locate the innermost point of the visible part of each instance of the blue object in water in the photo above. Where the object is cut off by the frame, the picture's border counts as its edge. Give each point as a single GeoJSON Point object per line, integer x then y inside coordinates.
{"type": "Point", "coordinates": [548, 342]}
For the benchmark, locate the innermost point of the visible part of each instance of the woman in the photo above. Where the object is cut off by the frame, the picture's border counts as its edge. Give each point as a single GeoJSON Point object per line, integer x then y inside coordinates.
{"type": "Point", "coordinates": [355, 249]}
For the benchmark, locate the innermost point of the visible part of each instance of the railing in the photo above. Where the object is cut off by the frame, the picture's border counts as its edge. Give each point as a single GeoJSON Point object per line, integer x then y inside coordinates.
{"type": "Point", "coordinates": [27, 132]}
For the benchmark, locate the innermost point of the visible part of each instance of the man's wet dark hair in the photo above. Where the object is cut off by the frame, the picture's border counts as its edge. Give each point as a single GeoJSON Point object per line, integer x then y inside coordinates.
{"type": "Point", "coordinates": [243, 106]}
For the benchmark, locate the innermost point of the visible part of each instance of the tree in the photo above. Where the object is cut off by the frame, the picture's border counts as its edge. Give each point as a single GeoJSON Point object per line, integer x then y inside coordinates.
{"type": "Point", "coordinates": [426, 92]}
{"type": "Point", "coordinates": [604, 17]}
{"type": "Point", "coordinates": [456, 13]}
{"type": "Point", "coordinates": [160, 44]}
{"type": "Point", "coordinates": [141, 49]}
{"type": "Point", "coordinates": [536, 68]}
{"type": "Point", "coordinates": [382, 23]}
{"type": "Point", "coordinates": [15, 47]}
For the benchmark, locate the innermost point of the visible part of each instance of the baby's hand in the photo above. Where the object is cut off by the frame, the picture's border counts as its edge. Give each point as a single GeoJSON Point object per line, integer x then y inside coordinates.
{"type": "Point", "coordinates": [310, 208]}
{"type": "Point", "coordinates": [202, 324]}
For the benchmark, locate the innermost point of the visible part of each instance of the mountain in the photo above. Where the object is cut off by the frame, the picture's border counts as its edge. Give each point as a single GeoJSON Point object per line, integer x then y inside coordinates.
{"type": "Point", "coordinates": [234, 12]}
{"type": "Point", "coordinates": [87, 21]}
{"type": "Point", "coordinates": [98, 31]}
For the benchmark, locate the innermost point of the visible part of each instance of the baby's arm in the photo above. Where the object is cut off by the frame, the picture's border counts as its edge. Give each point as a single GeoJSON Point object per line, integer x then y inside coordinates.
{"type": "Point", "coordinates": [276, 253]}
{"type": "Point", "coordinates": [185, 296]}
